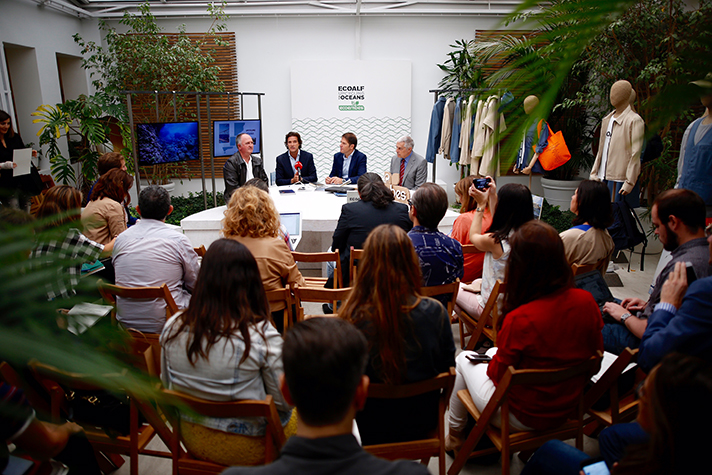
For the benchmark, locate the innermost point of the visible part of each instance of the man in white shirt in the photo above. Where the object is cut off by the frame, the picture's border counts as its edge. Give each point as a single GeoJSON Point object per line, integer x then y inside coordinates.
{"type": "Point", "coordinates": [150, 254]}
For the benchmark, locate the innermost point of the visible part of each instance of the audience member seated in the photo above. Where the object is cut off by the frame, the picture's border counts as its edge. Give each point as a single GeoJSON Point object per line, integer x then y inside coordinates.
{"type": "Point", "coordinates": [261, 185]}
{"type": "Point", "coordinates": [150, 254]}
{"type": "Point", "coordinates": [42, 440]}
{"type": "Point", "coordinates": [674, 406]}
{"type": "Point", "coordinates": [440, 256]}
{"type": "Point", "coordinates": [682, 321]}
{"type": "Point", "coordinates": [512, 207]}
{"type": "Point", "coordinates": [107, 162]}
{"type": "Point", "coordinates": [252, 219]}
{"type": "Point", "coordinates": [409, 336]}
{"type": "Point", "coordinates": [588, 241]}
{"type": "Point", "coordinates": [679, 220]}
{"type": "Point", "coordinates": [104, 217]}
{"type": "Point", "coordinates": [222, 348]}
{"type": "Point", "coordinates": [376, 207]}
{"type": "Point", "coordinates": [546, 324]}
{"type": "Point", "coordinates": [324, 361]}
{"type": "Point", "coordinates": [463, 223]}
{"type": "Point", "coordinates": [63, 244]}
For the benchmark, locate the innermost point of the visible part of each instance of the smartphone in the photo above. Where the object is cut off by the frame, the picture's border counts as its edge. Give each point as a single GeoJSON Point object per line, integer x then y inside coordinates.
{"type": "Point", "coordinates": [595, 467]}
{"type": "Point", "coordinates": [482, 183]}
{"type": "Point", "coordinates": [477, 358]}
{"type": "Point", "coordinates": [691, 276]}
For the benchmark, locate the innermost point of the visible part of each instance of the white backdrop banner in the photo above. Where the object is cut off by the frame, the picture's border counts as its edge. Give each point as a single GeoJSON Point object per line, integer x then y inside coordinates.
{"type": "Point", "coordinates": [372, 99]}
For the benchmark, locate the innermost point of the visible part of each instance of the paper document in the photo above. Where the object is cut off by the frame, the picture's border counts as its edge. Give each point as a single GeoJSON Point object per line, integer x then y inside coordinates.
{"type": "Point", "coordinates": [23, 158]}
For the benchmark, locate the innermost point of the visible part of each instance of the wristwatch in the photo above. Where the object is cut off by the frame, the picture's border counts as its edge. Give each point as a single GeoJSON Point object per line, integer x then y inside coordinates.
{"type": "Point", "coordinates": [625, 317]}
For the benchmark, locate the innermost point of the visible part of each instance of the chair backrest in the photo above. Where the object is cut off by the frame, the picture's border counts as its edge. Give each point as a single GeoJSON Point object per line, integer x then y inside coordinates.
{"type": "Point", "coordinates": [608, 382]}
{"type": "Point", "coordinates": [599, 265]}
{"type": "Point", "coordinates": [543, 377]}
{"type": "Point", "coordinates": [109, 292]}
{"type": "Point", "coordinates": [487, 323]}
{"type": "Point", "coordinates": [422, 449]}
{"type": "Point", "coordinates": [200, 251]}
{"type": "Point", "coordinates": [283, 295]}
{"type": "Point", "coordinates": [469, 249]}
{"type": "Point", "coordinates": [354, 255]}
{"type": "Point", "coordinates": [322, 257]}
{"type": "Point", "coordinates": [314, 294]}
{"type": "Point", "coordinates": [436, 290]}
{"type": "Point", "coordinates": [275, 436]}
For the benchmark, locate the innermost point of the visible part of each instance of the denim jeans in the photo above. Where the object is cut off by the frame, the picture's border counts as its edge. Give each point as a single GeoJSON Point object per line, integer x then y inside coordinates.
{"type": "Point", "coordinates": [555, 458]}
{"type": "Point", "coordinates": [614, 440]}
{"type": "Point", "coordinates": [616, 338]}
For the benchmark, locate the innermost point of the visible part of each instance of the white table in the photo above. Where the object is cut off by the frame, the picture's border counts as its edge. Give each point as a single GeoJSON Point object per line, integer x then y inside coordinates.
{"type": "Point", "coordinates": [320, 214]}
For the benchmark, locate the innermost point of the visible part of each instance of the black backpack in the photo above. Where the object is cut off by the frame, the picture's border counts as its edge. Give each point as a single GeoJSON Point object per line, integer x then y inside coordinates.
{"type": "Point", "coordinates": [627, 231]}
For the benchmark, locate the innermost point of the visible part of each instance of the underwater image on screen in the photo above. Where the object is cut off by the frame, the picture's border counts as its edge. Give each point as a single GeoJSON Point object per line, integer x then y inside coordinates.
{"type": "Point", "coordinates": [167, 142]}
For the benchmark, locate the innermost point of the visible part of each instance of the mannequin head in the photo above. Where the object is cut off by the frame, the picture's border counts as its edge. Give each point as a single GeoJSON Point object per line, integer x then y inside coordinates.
{"type": "Point", "coordinates": [530, 103]}
{"type": "Point", "coordinates": [620, 94]}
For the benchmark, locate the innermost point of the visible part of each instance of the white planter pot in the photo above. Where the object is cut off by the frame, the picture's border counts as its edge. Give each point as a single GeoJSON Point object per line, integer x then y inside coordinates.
{"type": "Point", "coordinates": [559, 192]}
{"type": "Point", "coordinates": [170, 187]}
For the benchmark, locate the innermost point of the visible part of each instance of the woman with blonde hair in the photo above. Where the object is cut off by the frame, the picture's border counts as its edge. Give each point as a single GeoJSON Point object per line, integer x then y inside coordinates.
{"type": "Point", "coordinates": [409, 336]}
{"type": "Point", "coordinates": [252, 219]}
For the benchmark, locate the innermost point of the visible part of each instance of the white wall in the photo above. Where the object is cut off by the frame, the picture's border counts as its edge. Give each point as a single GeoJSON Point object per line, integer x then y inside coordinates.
{"type": "Point", "coordinates": [47, 32]}
{"type": "Point", "coordinates": [267, 46]}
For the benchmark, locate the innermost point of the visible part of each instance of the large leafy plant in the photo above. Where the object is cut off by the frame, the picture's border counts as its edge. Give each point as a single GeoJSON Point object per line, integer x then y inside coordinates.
{"type": "Point", "coordinates": [143, 58]}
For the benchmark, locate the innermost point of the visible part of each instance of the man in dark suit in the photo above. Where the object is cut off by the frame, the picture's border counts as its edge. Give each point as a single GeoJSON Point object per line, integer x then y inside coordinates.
{"type": "Point", "coordinates": [376, 207]}
{"type": "Point", "coordinates": [349, 163]}
{"type": "Point", "coordinates": [414, 167]}
{"type": "Point", "coordinates": [286, 171]}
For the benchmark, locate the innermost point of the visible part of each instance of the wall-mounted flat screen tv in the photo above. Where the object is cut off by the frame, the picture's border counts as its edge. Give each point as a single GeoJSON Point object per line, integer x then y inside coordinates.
{"type": "Point", "coordinates": [225, 132]}
{"type": "Point", "coordinates": [167, 142]}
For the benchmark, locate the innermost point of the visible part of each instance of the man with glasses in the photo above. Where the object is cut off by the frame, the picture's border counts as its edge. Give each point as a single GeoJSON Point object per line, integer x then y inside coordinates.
{"type": "Point", "coordinates": [242, 166]}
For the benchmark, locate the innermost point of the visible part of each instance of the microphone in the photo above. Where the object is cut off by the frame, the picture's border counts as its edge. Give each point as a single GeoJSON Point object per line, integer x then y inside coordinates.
{"type": "Point", "coordinates": [298, 166]}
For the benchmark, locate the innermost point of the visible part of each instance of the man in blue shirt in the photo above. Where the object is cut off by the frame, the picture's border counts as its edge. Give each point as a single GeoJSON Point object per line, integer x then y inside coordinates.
{"type": "Point", "coordinates": [349, 163]}
{"type": "Point", "coordinates": [410, 167]}
{"type": "Point", "coordinates": [440, 256]}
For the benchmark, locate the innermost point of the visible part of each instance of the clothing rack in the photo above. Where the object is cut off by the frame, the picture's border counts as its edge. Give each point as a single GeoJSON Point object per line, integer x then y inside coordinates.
{"type": "Point", "coordinates": [438, 92]}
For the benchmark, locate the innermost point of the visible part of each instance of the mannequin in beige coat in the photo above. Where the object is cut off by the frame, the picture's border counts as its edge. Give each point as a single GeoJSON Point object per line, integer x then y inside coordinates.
{"type": "Point", "coordinates": [621, 141]}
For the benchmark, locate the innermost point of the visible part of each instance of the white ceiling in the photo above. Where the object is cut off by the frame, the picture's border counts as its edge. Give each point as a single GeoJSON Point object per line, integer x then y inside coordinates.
{"type": "Point", "coordinates": [237, 8]}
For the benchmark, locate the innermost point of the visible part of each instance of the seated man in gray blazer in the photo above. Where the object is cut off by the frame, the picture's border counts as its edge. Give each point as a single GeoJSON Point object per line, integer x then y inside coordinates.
{"type": "Point", "coordinates": [411, 168]}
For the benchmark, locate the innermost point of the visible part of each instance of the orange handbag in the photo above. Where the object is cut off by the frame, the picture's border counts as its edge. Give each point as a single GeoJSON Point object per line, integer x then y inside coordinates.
{"type": "Point", "coordinates": [556, 152]}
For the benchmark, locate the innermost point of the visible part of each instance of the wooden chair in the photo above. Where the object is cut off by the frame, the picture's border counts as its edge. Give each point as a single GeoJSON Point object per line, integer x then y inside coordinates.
{"type": "Point", "coordinates": [184, 463]}
{"type": "Point", "coordinates": [434, 446]}
{"type": "Point", "coordinates": [486, 325]}
{"type": "Point", "coordinates": [109, 292]}
{"type": "Point", "coordinates": [320, 257]}
{"type": "Point", "coordinates": [502, 437]}
{"type": "Point", "coordinates": [283, 295]}
{"type": "Point", "coordinates": [469, 249]}
{"type": "Point", "coordinates": [133, 444]}
{"type": "Point", "coordinates": [354, 255]}
{"type": "Point", "coordinates": [200, 251]}
{"type": "Point", "coordinates": [623, 408]}
{"type": "Point", "coordinates": [601, 266]}
{"type": "Point", "coordinates": [437, 290]}
{"type": "Point", "coordinates": [314, 294]}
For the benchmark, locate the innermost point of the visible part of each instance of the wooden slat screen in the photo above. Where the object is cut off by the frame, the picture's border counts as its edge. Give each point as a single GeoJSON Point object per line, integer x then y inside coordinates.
{"type": "Point", "coordinates": [144, 105]}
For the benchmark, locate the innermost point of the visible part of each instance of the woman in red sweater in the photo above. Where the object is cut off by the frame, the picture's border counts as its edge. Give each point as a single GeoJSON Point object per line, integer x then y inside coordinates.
{"type": "Point", "coordinates": [547, 323]}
